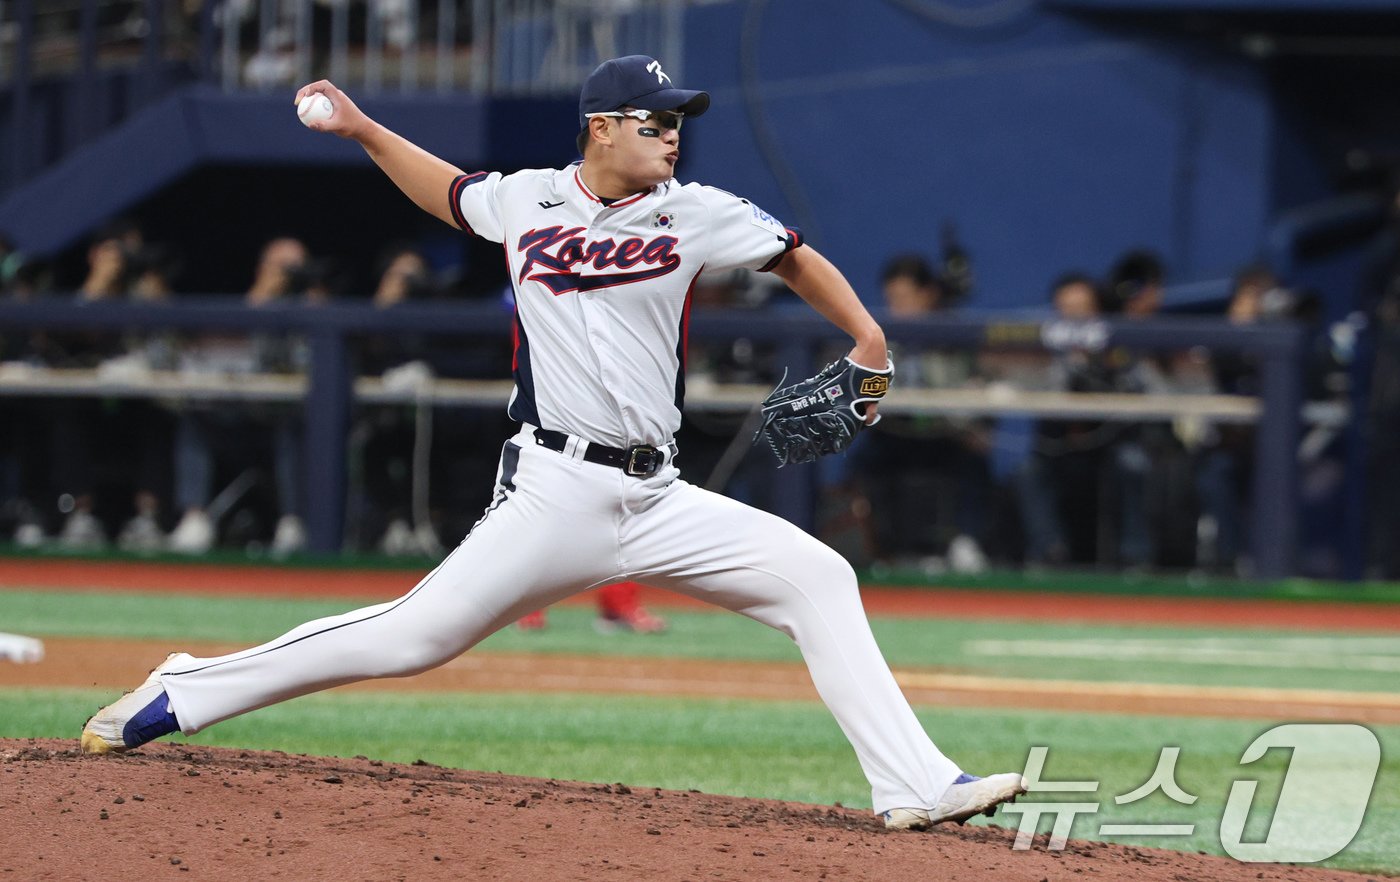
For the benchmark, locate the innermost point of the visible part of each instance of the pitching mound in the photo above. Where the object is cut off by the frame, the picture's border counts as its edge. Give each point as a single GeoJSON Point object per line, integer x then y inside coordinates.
{"type": "Point", "coordinates": [177, 812]}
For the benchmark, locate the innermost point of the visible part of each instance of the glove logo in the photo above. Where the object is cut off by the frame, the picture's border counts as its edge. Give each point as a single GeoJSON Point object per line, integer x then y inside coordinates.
{"type": "Point", "coordinates": [875, 386]}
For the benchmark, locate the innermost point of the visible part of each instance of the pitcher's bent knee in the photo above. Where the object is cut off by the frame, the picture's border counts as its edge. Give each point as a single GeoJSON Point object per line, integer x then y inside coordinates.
{"type": "Point", "coordinates": [820, 570]}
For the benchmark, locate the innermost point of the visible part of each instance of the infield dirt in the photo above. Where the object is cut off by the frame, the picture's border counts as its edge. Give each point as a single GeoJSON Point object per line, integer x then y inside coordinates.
{"type": "Point", "coordinates": [180, 812]}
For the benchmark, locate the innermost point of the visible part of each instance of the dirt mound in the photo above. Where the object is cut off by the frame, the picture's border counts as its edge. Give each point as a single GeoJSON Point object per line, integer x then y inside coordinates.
{"type": "Point", "coordinates": [178, 812]}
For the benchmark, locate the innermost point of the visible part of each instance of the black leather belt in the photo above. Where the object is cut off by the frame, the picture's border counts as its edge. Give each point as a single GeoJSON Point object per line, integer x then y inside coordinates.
{"type": "Point", "coordinates": [639, 461]}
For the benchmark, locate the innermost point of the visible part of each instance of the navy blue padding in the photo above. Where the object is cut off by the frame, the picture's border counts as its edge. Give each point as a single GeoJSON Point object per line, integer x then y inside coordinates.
{"type": "Point", "coordinates": [454, 197]}
{"type": "Point", "coordinates": [510, 461]}
{"type": "Point", "coordinates": [523, 409]}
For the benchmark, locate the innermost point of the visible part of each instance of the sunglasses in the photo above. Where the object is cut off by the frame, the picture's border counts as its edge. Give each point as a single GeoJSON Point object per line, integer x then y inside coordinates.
{"type": "Point", "coordinates": [665, 119]}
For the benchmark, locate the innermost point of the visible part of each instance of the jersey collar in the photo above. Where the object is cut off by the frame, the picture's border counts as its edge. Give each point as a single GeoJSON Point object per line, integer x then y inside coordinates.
{"type": "Point", "coordinates": [593, 197]}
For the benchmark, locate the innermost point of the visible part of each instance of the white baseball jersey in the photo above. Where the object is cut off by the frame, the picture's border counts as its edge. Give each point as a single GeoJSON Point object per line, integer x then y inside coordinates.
{"type": "Point", "coordinates": [602, 291]}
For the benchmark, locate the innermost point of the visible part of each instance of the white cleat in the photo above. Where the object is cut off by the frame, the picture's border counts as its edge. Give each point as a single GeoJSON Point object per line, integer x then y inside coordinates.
{"type": "Point", "coordinates": [123, 724]}
{"type": "Point", "coordinates": [967, 797]}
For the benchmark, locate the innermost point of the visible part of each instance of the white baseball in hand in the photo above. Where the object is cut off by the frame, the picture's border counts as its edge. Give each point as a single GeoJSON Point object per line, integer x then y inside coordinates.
{"type": "Point", "coordinates": [315, 107]}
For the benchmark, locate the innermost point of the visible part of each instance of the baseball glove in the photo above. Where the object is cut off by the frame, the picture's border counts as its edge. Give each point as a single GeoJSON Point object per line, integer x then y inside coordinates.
{"type": "Point", "coordinates": [821, 415]}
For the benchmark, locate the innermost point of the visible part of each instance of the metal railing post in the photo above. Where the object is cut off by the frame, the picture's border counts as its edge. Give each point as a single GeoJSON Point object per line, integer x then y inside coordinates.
{"type": "Point", "coordinates": [1356, 488]}
{"type": "Point", "coordinates": [408, 60]}
{"type": "Point", "coordinates": [1275, 516]}
{"type": "Point", "coordinates": [303, 42]}
{"type": "Point", "coordinates": [83, 122]}
{"type": "Point", "coordinates": [374, 50]}
{"type": "Point", "coordinates": [340, 41]}
{"type": "Point", "coordinates": [481, 41]}
{"type": "Point", "coordinates": [228, 48]}
{"type": "Point", "coordinates": [267, 31]}
{"type": "Point", "coordinates": [207, 39]}
{"type": "Point", "coordinates": [21, 148]}
{"type": "Point", "coordinates": [672, 20]}
{"type": "Point", "coordinates": [151, 73]}
{"type": "Point", "coordinates": [446, 45]}
{"type": "Point", "coordinates": [327, 414]}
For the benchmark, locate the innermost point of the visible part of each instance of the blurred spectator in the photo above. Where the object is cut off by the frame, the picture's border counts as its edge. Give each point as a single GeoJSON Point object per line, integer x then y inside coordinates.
{"type": "Point", "coordinates": [76, 424]}
{"type": "Point", "coordinates": [1135, 285]}
{"type": "Point", "coordinates": [910, 287]}
{"type": "Point", "coordinates": [1135, 289]}
{"type": "Point", "coordinates": [1384, 419]}
{"type": "Point", "coordinates": [738, 360]}
{"type": "Point", "coordinates": [22, 429]}
{"type": "Point", "coordinates": [285, 272]}
{"type": "Point", "coordinates": [955, 272]}
{"type": "Point", "coordinates": [151, 271]}
{"type": "Point", "coordinates": [88, 443]}
{"type": "Point", "coordinates": [1224, 459]}
{"type": "Point", "coordinates": [925, 480]}
{"type": "Point", "coordinates": [405, 276]}
{"type": "Point", "coordinates": [1082, 470]}
{"type": "Point", "coordinates": [391, 443]}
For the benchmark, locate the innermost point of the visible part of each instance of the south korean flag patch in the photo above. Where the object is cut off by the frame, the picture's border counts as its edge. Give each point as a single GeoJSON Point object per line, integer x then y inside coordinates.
{"type": "Point", "coordinates": [663, 220]}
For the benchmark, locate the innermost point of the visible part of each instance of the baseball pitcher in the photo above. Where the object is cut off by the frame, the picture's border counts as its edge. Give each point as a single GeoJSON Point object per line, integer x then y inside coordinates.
{"type": "Point", "coordinates": [603, 254]}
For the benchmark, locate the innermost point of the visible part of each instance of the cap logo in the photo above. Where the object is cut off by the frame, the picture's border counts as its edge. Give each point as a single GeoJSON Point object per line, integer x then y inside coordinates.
{"type": "Point", "coordinates": [661, 76]}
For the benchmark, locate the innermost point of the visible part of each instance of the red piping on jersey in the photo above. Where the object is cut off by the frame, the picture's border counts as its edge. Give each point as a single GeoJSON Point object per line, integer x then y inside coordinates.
{"type": "Point", "coordinates": [685, 317]}
{"type": "Point", "coordinates": [515, 341]}
{"type": "Point", "coordinates": [589, 193]}
{"type": "Point", "coordinates": [515, 317]}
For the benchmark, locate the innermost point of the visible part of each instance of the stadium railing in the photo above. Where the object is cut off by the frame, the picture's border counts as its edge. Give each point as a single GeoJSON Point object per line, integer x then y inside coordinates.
{"type": "Point", "coordinates": [328, 389]}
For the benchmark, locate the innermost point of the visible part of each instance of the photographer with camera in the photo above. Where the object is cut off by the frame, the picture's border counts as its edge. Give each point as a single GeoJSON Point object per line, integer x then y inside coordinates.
{"type": "Point", "coordinates": [117, 260]}
{"type": "Point", "coordinates": [285, 271]}
{"type": "Point", "coordinates": [1059, 485]}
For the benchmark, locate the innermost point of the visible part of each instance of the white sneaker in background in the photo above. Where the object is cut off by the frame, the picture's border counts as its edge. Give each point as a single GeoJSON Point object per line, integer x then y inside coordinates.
{"type": "Point", "coordinates": [398, 540]}
{"type": "Point", "coordinates": [141, 534]}
{"type": "Point", "coordinates": [965, 555]}
{"type": "Point", "coordinates": [290, 536]}
{"type": "Point", "coordinates": [29, 535]}
{"type": "Point", "coordinates": [426, 540]}
{"type": "Point", "coordinates": [193, 535]}
{"type": "Point", "coordinates": [82, 532]}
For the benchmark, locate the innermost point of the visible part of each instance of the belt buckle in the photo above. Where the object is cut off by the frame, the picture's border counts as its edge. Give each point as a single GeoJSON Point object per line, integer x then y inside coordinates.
{"type": "Point", "coordinates": [643, 461]}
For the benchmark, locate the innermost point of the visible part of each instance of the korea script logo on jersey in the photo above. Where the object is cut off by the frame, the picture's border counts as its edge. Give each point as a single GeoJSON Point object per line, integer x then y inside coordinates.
{"type": "Point", "coordinates": [551, 255]}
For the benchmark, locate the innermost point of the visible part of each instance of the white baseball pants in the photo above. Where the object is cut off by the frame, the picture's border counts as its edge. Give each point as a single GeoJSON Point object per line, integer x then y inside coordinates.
{"type": "Point", "coordinates": [559, 525]}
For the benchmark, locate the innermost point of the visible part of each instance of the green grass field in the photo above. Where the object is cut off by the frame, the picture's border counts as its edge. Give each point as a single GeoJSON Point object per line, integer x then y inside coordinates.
{"type": "Point", "coordinates": [780, 750]}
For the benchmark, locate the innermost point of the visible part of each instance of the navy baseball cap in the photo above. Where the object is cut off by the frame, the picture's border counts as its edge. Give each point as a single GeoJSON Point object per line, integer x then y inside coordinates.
{"type": "Point", "coordinates": [635, 81]}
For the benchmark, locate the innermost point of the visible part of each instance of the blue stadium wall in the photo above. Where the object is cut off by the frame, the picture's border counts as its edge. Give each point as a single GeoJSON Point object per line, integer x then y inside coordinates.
{"type": "Point", "coordinates": [1055, 140]}
{"type": "Point", "coordinates": [1052, 142]}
